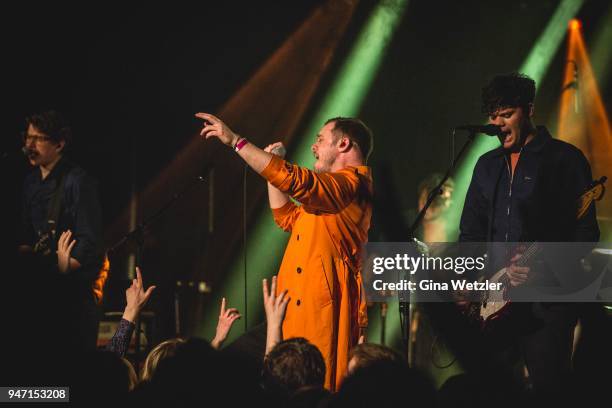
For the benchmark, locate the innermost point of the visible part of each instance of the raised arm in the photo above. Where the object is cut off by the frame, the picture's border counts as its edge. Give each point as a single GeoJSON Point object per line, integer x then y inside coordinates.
{"type": "Point", "coordinates": [227, 317]}
{"type": "Point", "coordinates": [255, 157]}
{"type": "Point", "coordinates": [275, 307]}
{"type": "Point", "coordinates": [328, 192]}
{"type": "Point", "coordinates": [136, 299]}
{"type": "Point", "coordinates": [277, 198]}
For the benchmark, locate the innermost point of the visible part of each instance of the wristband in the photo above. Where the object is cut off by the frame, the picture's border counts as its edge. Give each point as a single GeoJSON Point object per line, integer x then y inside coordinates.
{"type": "Point", "coordinates": [240, 144]}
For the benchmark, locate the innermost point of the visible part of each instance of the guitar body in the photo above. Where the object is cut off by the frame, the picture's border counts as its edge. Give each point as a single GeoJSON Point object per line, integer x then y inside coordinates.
{"type": "Point", "coordinates": [495, 306]}
{"type": "Point", "coordinates": [495, 303]}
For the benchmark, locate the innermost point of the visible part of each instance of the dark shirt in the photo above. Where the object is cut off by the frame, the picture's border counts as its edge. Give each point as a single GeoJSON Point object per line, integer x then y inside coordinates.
{"type": "Point", "coordinates": [79, 211]}
{"type": "Point", "coordinates": [537, 203]}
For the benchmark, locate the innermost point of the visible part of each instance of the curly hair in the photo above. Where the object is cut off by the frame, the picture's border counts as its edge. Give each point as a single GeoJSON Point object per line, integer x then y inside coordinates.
{"type": "Point", "coordinates": [291, 365]}
{"type": "Point", "coordinates": [52, 124]}
{"type": "Point", "coordinates": [508, 90]}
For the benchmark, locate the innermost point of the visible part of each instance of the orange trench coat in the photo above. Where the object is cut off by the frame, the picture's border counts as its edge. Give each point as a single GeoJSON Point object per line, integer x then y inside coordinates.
{"type": "Point", "coordinates": [321, 265]}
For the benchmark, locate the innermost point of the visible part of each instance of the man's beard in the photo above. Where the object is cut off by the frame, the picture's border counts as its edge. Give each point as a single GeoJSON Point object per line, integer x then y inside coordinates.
{"type": "Point", "coordinates": [325, 165]}
{"type": "Point", "coordinates": [322, 169]}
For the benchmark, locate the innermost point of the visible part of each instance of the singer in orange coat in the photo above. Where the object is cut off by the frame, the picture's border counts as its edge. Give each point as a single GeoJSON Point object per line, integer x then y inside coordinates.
{"type": "Point", "coordinates": [321, 266]}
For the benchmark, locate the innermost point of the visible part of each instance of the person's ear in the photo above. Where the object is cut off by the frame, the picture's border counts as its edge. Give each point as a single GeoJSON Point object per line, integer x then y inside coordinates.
{"type": "Point", "coordinates": [59, 147]}
{"type": "Point", "coordinates": [531, 110]}
{"type": "Point", "coordinates": [344, 144]}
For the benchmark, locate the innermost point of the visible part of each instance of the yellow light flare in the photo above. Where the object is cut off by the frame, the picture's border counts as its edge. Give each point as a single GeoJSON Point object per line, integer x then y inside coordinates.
{"type": "Point", "coordinates": [268, 107]}
{"type": "Point", "coordinates": [575, 24]}
{"type": "Point", "coordinates": [287, 82]}
{"type": "Point", "coordinates": [583, 121]}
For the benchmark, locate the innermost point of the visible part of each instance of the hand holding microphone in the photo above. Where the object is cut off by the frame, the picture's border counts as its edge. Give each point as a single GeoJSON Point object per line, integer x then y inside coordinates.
{"type": "Point", "coordinates": [277, 149]}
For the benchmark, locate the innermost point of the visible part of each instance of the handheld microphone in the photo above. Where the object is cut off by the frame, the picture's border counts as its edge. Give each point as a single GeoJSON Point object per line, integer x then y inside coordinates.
{"type": "Point", "coordinates": [490, 130]}
{"type": "Point", "coordinates": [279, 151]}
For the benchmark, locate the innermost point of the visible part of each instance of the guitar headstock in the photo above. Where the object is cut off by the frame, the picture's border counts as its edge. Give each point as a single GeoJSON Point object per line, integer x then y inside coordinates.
{"type": "Point", "coordinates": [594, 193]}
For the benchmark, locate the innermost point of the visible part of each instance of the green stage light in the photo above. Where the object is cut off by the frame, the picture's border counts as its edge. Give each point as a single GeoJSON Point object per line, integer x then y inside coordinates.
{"type": "Point", "coordinates": [344, 98]}
{"type": "Point", "coordinates": [600, 52]}
{"type": "Point", "coordinates": [535, 65]}
{"type": "Point", "coordinates": [355, 78]}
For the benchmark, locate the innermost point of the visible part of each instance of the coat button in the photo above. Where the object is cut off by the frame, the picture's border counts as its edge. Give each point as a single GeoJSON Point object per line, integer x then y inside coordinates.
{"type": "Point", "coordinates": [299, 270]}
{"type": "Point", "coordinates": [298, 302]}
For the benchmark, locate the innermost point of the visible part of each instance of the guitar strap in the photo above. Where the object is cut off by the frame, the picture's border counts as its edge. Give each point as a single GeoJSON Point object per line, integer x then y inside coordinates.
{"type": "Point", "coordinates": [55, 204]}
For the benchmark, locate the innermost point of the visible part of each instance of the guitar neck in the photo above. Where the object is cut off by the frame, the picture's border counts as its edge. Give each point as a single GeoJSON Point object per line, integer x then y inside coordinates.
{"type": "Point", "coordinates": [529, 254]}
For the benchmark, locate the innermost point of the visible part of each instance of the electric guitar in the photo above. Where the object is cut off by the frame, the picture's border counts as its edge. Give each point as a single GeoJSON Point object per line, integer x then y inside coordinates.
{"type": "Point", "coordinates": [494, 304]}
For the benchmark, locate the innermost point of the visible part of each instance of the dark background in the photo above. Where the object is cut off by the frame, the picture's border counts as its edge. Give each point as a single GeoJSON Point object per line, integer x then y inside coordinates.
{"type": "Point", "coordinates": [130, 76]}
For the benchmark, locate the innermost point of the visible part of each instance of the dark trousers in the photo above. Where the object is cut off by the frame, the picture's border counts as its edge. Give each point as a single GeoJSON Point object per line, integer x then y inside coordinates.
{"type": "Point", "coordinates": [546, 348]}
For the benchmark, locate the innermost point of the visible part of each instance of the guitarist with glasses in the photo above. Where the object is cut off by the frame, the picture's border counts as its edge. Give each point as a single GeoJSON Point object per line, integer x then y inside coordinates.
{"type": "Point", "coordinates": [61, 206]}
{"type": "Point", "coordinates": [526, 191]}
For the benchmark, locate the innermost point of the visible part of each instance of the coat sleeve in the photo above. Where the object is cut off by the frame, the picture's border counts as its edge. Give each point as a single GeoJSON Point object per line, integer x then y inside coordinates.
{"type": "Point", "coordinates": [286, 215]}
{"type": "Point", "coordinates": [120, 342]}
{"type": "Point", "coordinates": [87, 226]}
{"type": "Point", "coordinates": [327, 192]}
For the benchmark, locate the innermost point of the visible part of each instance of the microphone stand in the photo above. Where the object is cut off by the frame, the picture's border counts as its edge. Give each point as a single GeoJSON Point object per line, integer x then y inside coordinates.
{"type": "Point", "coordinates": [137, 235]}
{"type": "Point", "coordinates": [406, 306]}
